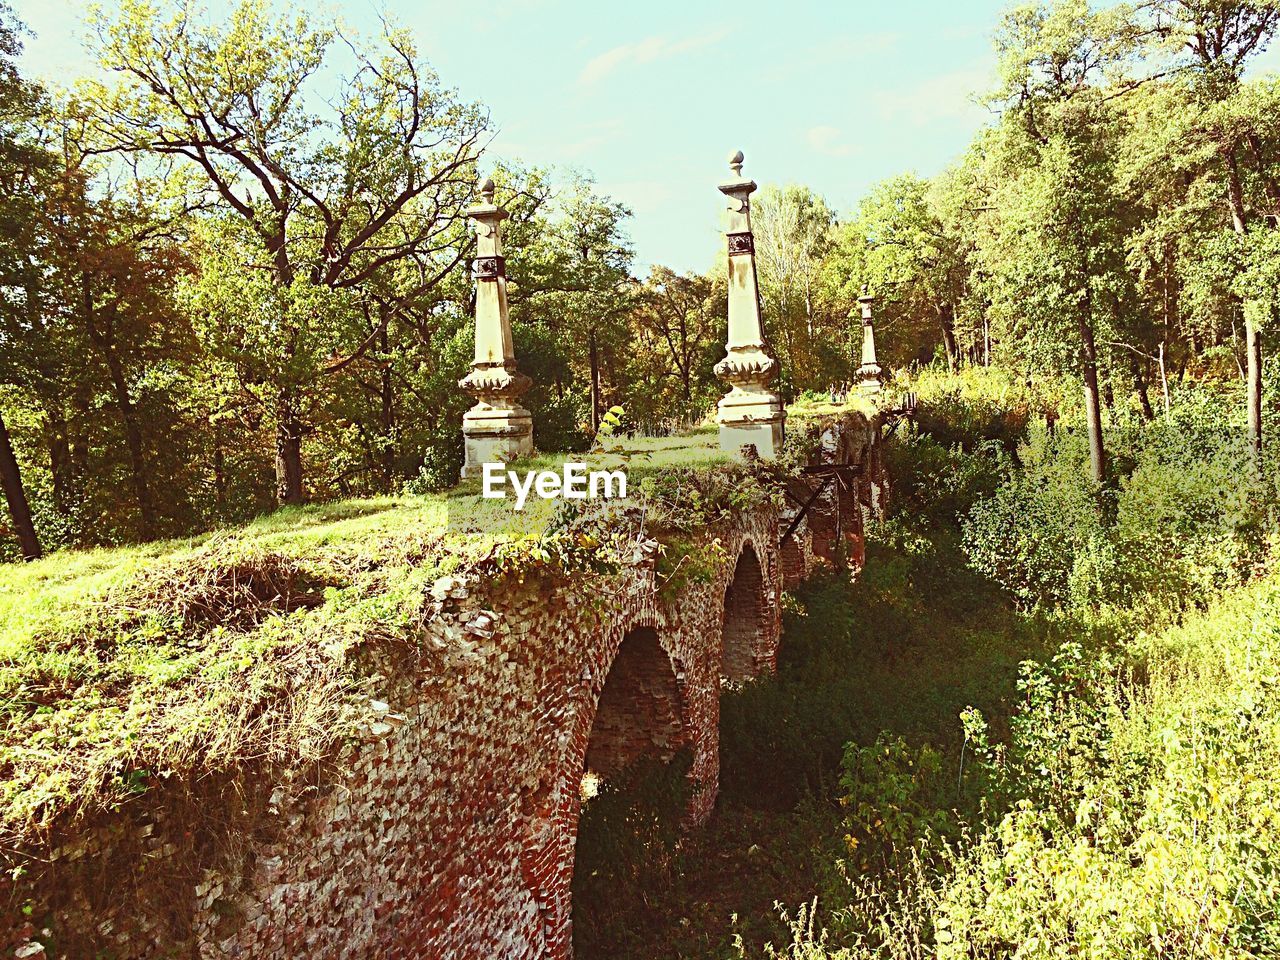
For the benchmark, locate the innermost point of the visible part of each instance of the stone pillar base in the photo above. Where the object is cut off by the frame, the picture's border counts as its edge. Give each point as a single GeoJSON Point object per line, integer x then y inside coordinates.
{"type": "Point", "coordinates": [495, 435]}
{"type": "Point", "coordinates": [765, 437]}
{"type": "Point", "coordinates": [757, 419]}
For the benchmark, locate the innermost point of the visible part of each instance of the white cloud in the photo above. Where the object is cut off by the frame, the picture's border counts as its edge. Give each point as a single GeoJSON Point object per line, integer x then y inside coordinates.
{"type": "Point", "coordinates": [947, 97]}
{"type": "Point", "coordinates": [645, 51]}
{"type": "Point", "coordinates": [829, 141]}
{"type": "Point", "coordinates": [1266, 62]}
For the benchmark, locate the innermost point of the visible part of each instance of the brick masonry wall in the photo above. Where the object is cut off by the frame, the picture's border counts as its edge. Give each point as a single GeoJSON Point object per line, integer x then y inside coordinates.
{"type": "Point", "coordinates": [748, 613]}
{"type": "Point", "coordinates": [450, 834]}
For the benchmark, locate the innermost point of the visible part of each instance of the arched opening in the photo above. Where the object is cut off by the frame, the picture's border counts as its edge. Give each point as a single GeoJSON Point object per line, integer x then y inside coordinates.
{"type": "Point", "coordinates": [634, 793]}
{"type": "Point", "coordinates": [824, 523]}
{"type": "Point", "coordinates": [743, 631]}
{"type": "Point", "coordinates": [639, 711]}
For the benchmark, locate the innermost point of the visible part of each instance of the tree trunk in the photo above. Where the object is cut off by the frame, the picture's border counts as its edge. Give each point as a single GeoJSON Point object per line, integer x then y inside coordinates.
{"type": "Point", "coordinates": [947, 321]}
{"type": "Point", "coordinates": [1253, 352]}
{"type": "Point", "coordinates": [1252, 336]}
{"type": "Point", "coordinates": [595, 383]}
{"type": "Point", "coordinates": [1164, 379]}
{"type": "Point", "coordinates": [1140, 388]}
{"type": "Point", "coordinates": [1092, 408]}
{"type": "Point", "coordinates": [387, 391]}
{"type": "Point", "coordinates": [288, 454]}
{"type": "Point", "coordinates": [16, 496]}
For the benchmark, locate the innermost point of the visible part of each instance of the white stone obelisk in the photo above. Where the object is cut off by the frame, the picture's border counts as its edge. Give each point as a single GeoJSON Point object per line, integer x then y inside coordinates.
{"type": "Point", "coordinates": [870, 374]}
{"type": "Point", "coordinates": [750, 412]}
{"type": "Point", "coordinates": [497, 429]}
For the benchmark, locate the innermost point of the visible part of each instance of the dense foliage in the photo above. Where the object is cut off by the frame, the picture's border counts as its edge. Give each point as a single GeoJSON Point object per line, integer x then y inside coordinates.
{"type": "Point", "coordinates": [1113, 796]}
{"type": "Point", "coordinates": [1043, 723]}
{"type": "Point", "coordinates": [214, 300]}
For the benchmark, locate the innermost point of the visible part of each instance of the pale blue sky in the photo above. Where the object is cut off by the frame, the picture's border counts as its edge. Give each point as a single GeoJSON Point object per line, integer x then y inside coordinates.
{"type": "Point", "coordinates": [651, 97]}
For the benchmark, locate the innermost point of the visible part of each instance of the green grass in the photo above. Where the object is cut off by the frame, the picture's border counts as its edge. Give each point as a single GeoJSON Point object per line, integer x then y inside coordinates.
{"type": "Point", "coordinates": [868, 406]}
{"type": "Point", "coordinates": [34, 596]}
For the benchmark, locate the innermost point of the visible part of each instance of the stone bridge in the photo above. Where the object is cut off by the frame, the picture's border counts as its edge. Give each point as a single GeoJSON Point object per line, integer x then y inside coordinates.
{"type": "Point", "coordinates": [453, 835]}
{"type": "Point", "coordinates": [447, 831]}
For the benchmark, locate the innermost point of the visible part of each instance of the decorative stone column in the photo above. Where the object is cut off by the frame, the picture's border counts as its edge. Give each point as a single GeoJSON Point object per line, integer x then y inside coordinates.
{"type": "Point", "coordinates": [750, 412]}
{"type": "Point", "coordinates": [870, 374]}
{"type": "Point", "coordinates": [497, 429]}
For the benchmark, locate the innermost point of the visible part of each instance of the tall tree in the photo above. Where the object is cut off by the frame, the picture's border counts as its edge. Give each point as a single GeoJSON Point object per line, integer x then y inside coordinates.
{"type": "Point", "coordinates": [329, 200]}
{"type": "Point", "coordinates": [111, 260]}
{"type": "Point", "coordinates": [677, 321]}
{"type": "Point", "coordinates": [792, 227]}
{"type": "Point", "coordinates": [574, 277]}
{"type": "Point", "coordinates": [20, 163]}
{"type": "Point", "coordinates": [1055, 255]}
{"type": "Point", "coordinates": [15, 496]}
{"type": "Point", "coordinates": [899, 245]}
{"type": "Point", "coordinates": [1215, 40]}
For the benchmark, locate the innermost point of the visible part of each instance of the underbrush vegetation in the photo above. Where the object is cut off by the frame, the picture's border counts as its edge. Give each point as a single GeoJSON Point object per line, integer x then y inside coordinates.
{"type": "Point", "coordinates": [1120, 800]}
{"type": "Point", "coordinates": [1044, 722]}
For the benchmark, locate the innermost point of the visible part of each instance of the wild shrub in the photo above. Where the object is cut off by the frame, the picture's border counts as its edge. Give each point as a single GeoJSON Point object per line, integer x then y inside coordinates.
{"type": "Point", "coordinates": [974, 405]}
{"type": "Point", "coordinates": [1184, 518]}
{"type": "Point", "coordinates": [895, 797]}
{"type": "Point", "coordinates": [1163, 839]}
{"type": "Point", "coordinates": [938, 482]}
{"type": "Point", "coordinates": [628, 842]}
{"type": "Point", "coordinates": [441, 464]}
{"type": "Point", "coordinates": [1027, 535]}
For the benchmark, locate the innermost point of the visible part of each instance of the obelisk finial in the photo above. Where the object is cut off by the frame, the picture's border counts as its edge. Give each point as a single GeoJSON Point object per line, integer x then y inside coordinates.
{"type": "Point", "coordinates": [750, 413]}
{"type": "Point", "coordinates": [497, 429]}
{"type": "Point", "coordinates": [870, 373]}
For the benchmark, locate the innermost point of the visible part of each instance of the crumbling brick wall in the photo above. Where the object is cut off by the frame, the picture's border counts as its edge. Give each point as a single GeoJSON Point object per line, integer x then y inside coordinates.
{"type": "Point", "coordinates": [449, 833]}
{"type": "Point", "coordinates": [746, 641]}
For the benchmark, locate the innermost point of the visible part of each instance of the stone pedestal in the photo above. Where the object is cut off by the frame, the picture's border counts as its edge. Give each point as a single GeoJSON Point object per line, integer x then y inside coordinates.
{"type": "Point", "coordinates": [870, 374]}
{"type": "Point", "coordinates": [497, 429]}
{"type": "Point", "coordinates": [751, 412]}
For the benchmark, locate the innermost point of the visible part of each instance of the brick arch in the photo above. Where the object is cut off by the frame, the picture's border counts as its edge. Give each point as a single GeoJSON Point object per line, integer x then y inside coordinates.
{"type": "Point", "coordinates": [744, 632]}
{"type": "Point", "coordinates": [631, 707]}
{"type": "Point", "coordinates": [640, 711]}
